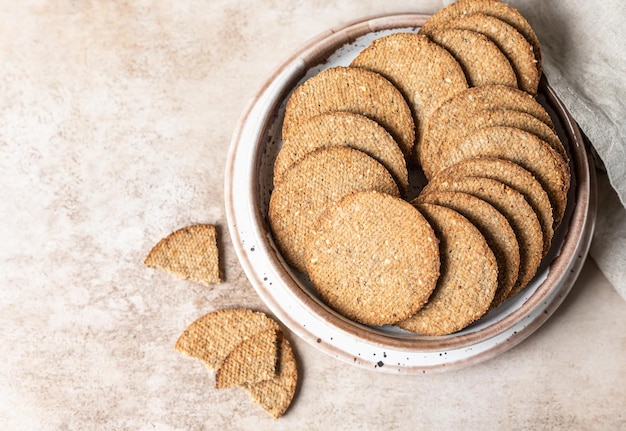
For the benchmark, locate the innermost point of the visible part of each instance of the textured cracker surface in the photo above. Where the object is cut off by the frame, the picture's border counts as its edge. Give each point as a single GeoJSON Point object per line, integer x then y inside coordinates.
{"type": "Point", "coordinates": [456, 113]}
{"type": "Point", "coordinates": [494, 8]}
{"type": "Point", "coordinates": [310, 185]}
{"type": "Point", "coordinates": [481, 59]}
{"type": "Point", "coordinates": [374, 259]}
{"type": "Point", "coordinates": [514, 207]}
{"type": "Point", "coordinates": [251, 361]}
{"type": "Point", "coordinates": [495, 228]}
{"type": "Point", "coordinates": [522, 148]}
{"type": "Point", "coordinates": [511, 43]}
{"type": "Point", "coordinates": [188, 253]}
{"type": "Point", "coordinates": [347, 129]}
{"type": "Point", "coordinates": [354, 90]}
{"type": "Point", "coordinates": [469, 276]}
{"type": "Point", "coordinates": [516, 177]}
{"type": "Point", "coordinates": [213, 336]}
{"type": "Point", "coordinates": [424, 72]}
{"type": "Point", "coordinates": [276, 394]}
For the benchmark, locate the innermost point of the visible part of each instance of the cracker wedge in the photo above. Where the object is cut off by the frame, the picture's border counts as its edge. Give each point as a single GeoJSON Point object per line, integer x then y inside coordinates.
{"type": "Point", "coordinates": [213, 336]}
{"type": "Point", "coordinates": [469, 276]}
{"type": "Point", "coordinates": [252, 361]}
{"type": "Point", "coordinates": [276, 394]}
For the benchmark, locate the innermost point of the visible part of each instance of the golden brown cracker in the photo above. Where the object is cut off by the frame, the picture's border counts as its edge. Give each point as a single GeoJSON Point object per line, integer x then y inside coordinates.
{"type": "Point", "coordinates": [514, 207]}
{"type": "Point", "coordinates": [374, 258]}
{"type": "Point", "coordinates": [494, 8]}
{"type": "Point", "coordinates": [189, 253]}
{"type": "Point", "coordinates": [213, 336]}
{"type": "Point", "coordinates": [276, 394]}
{"type": "Point", "coordinates": [343, 129]}
{"type": "Point", "coordinates": [426, 74]}
{"type": "Point", "coordinates": [310, 185]}
{"type": "Point", "coordinates": [469, 276]}
{"type": "Point", "coordinates": [511, 43]}
{"type": "Point", "coordinates": [251, 361]}
{"type": "Point", "coordinates": [353, 90]}
{"type": "Point", "coordinates": [481, 59]}
{"type": "Point", "coordinates": [495, 228]}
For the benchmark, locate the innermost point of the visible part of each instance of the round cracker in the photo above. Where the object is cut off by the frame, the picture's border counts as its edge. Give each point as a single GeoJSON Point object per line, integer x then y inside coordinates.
{"type": "Point", "coordinates": [456, 112]}
{"type": "Point", "coordinates": [374, 258]}
{"type": "Point", "coordinates": [516, 177]}
{"type": "Point", "coordinates": [511, 205]}
{"type": "Point", "coordinates": [495, 228]}
{"type": "Point", "coordinates": [353, 90]}
{"type": "Point", "coordinates": [213, 336]}
{"type": "Point", "coordinates": [481, 59]}
{"type": "Point", "coordinates": [511, 43]}
{"type": "Point", "coordinates": [517, 146]}
{"type": "Point", "coordinates": [347, 129]}
{"type": "Point", "coordinates": [310, 185]}
{"type": "Point", "coordinates": [275, 394]}
{"type": "Point", "coordinates": [469, 276]}
{"type": "Point", "coordinates": [425, 73]}
{"type": "Point", "coordinates": [494, 8]}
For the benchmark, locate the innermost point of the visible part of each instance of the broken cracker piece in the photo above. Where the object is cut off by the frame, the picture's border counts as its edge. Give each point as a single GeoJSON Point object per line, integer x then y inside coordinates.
{"type": "Point", "coordinates": [188, 253]}
{"type": "Point", "coordinates": [252, 361]}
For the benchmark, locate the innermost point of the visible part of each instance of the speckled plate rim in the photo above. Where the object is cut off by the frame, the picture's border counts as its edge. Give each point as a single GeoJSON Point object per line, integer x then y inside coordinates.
{"type": "Point", "coordinates": [320, 326]}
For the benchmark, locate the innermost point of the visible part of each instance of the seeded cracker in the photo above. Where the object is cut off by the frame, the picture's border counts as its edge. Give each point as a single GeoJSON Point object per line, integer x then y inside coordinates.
{"type": "Point", "coordinates": [456, 112]}
{"type": "Point", "coordinates": [481, 59]}
{"type": "Point", "coordinates": [514, 207]}
{"type": "Point", "coordinates": [510, 41]}
{"type": "Point", "coordinates": [252, 361]}
{"type": "Point", "coordinates": [275, 395]}
{"type": "Point", "coordinates": [213, 336]}
{"type": "Point", "coordinates": [469, 276]}
{"type": "Point", "coordinates": [310, 185]}
{"type": "Point", "coordinates": [424, 72]}
{"type": "Point", "coordinates": [494, 8]}
{"type": "Point", "coordinates": [343, 129]}
{"type": "Point", "coordinates": [516, 177]}
{"type": "Point", "coordinates": [373, 258]}
{"type": "Point", "coordinates": [352, 90]}
{"type": "Point", "coordinates": [495, 228]}
{"type": "Point", "coordinates": [188, 253]}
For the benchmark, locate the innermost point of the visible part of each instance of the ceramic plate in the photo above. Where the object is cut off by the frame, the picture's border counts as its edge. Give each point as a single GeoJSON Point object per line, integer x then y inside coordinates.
{"type": "Point", "coordinates": [289, 295]}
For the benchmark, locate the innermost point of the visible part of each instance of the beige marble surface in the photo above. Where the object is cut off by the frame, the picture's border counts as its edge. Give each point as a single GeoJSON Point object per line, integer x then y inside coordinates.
{"type": "Point", "coordinates": [115, 120]}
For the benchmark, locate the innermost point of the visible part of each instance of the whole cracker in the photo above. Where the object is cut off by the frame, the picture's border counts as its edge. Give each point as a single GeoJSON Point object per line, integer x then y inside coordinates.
{"type": "Point", "coordinates": [494, 8]}
{"type": "Point", "coordinates": [276, 394]}
{"type": "Point", "coordinates": [511, 43]}
{"type": "Point", "coordinates": [495, 228]}
{"type": "Point", "coordinates": [513, 206]}
{"type": "Point", "coordinates": [343, 128]}
{"type": "Point", "coordinates": [321, 177]}
{"type": "Point", "coordinates": [374, 258]}
{"type": "Point", "coordinates": [353, 90]}
{"type": "Point", "coordinates": [469, 276]}
{"type": "Point", "coordinates": [522, 148]}
{"type": "Point", "coordinates": [481, 59]}
{"type": "Point", "coordinates": [213, 336]}
{"type": "Point", "coordinates": [426, 74]}
{"type": "Point", "coordinates": [456, 112]}
{"type": "Point", "coordinates": [516, 177]}
{"type": "Point", "coordinates": [251, 361]}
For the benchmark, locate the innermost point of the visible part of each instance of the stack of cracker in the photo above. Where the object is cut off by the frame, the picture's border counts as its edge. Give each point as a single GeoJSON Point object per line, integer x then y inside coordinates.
{"type": "Point", "coordinates": [456, 100]}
